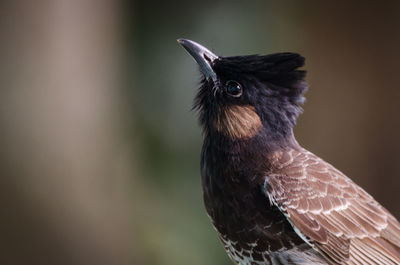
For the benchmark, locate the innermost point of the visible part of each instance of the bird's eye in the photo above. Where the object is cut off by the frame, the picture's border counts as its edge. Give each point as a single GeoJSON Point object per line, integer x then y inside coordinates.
{"type": "Point", "coordinates": [233, 88]}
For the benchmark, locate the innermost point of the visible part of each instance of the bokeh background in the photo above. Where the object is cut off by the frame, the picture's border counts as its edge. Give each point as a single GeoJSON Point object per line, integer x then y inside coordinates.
{"type": "Point", "coordinates": [99, 157]}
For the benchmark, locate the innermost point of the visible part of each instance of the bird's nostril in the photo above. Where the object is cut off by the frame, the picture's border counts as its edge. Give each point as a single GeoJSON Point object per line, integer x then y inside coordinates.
{"type": "Point", "coordinates": [206, 57]}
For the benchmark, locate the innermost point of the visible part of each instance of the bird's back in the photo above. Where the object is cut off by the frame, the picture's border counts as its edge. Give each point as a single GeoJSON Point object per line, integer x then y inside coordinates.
{"type": "Point", "coordinates": [296, 209]}
{"type": "Point", "coordinates": [331, 212]}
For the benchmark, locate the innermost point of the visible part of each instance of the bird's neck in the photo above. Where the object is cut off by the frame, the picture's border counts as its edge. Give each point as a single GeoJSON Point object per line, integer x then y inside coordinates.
{"type": "Point", "coordinates": [250, 155]}
{"type": "Point", "coordinates": [264, 142]}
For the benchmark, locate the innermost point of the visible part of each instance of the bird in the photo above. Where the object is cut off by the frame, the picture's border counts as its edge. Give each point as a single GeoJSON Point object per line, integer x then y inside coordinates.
{"type": "Point", "coordinates": [271, 201]}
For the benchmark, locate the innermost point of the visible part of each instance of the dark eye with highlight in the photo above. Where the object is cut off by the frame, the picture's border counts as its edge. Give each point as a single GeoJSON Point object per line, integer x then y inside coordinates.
{"type": "Point", "coordinates": [233, 88]}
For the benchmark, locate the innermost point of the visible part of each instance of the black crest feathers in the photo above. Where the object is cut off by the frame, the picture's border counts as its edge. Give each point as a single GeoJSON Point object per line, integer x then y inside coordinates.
{"type": "Point", "coordinates": [279, 70]}
{"type": "Point", "coordinates": [273, 84]}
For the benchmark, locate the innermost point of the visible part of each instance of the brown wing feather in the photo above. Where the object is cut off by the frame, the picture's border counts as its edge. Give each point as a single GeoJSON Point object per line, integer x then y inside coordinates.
{"type": "Point", "coordinates": [338, 218]}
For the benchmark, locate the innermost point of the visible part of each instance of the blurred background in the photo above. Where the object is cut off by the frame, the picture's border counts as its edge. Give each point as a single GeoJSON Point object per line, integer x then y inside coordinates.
{"type": "Point", "coordinates": [99, 158]}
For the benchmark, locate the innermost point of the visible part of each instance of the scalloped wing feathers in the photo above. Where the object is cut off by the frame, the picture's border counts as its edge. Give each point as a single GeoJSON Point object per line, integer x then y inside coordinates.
{"type": "Point", "coordinates": [330, 212]}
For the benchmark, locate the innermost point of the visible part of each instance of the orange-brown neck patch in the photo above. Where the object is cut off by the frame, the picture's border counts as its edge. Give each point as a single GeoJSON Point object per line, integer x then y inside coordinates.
{"type": "Point", "coordinates": [238, 122]}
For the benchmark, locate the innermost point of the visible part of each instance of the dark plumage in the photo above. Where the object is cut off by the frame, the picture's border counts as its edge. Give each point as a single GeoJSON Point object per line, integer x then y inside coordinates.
{"type": "Point", "coordinates": [271, 201]}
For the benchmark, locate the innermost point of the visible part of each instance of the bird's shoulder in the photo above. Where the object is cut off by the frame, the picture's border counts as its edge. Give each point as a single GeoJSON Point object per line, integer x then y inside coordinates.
{"type": "Point", "coordinates": [329, 211]}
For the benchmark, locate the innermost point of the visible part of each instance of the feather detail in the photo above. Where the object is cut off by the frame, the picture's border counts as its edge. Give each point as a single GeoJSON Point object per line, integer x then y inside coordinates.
{"type": "Point", "coordinates": [343, 222]}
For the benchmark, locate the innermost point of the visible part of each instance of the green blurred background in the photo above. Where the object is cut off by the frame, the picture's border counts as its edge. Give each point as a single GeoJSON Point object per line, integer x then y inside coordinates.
{"type": "Point", "coordinates": [100, 151]}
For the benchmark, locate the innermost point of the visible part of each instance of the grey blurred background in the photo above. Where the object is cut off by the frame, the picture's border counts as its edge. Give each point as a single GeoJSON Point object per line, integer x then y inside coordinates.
{"type": "Point", "coordinates": [99, 158]}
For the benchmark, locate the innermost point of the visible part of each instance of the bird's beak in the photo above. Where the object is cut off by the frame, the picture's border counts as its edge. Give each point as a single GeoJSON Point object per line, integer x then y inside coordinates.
{"type": "Point", "coordinates": [202, 55]}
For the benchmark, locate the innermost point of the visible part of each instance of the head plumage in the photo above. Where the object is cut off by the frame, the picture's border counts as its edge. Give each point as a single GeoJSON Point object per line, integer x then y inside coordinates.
{"type": "Point", "coordinates": [279, 70]}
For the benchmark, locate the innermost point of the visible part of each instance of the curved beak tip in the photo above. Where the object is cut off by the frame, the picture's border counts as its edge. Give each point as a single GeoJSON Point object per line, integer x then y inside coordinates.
{"type": "Point", "coordinates": [202, 55]}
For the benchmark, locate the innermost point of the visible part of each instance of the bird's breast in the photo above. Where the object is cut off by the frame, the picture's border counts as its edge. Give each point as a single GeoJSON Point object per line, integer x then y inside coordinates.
{"type": "Point", "coordinates": [240, 211]}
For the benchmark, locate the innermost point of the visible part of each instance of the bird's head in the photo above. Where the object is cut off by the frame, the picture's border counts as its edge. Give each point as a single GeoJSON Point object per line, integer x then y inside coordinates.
{"type": "Point", "coordinates": [244, 96]}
